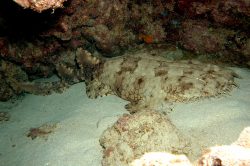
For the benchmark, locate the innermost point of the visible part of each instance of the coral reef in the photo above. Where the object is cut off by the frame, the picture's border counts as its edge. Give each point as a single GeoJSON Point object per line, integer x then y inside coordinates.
{"type": "Point", "coordinates": [227, 45]}
{"type": "Point", "coordinates": [217, 27]}
{"type": "Point", "coordinates": [43, 44]}
{"type": "Point", "coordinates": [224, 12]}
{"type": "Point", "coordinates": [40, 5]}
{"type": "Point", "coordinates": [6, 92]}
{"type": "Point", "coordinates": [39, 44]}
{"type": "Point", "coordinates": [10, 74]}
{"type": "Point", "coordinates": [133, 135]}
{"type": "Point", "coordinates": [200, 38]}
{"type": "Point", "coordinates": [150, 81]}
{"type": "Point", "coordinates": [42, 131]}
{"type": "Point", "coordinates": [14, 81]}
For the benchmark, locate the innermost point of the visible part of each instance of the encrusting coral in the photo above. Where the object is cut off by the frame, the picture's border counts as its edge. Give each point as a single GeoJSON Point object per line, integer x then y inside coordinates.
{"type": "Point", "coordinates": [133, 135]}
{"type": "Point", "coordinates": [14, 81]}
{"type": "Point", "coordinates": [40, 5]}
{"type": "Point", "coordinates": [9, 75]}
{"type": "Point", "coordinates": [200, 38]}
{"type": "Point", "coordinates": [150, 81]}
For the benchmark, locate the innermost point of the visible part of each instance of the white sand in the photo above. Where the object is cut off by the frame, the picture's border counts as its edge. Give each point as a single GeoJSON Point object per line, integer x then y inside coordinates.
{"type": "Point", "coordinates": [75, 141]}
{"type": "Point", "coordinates": [80, 122]}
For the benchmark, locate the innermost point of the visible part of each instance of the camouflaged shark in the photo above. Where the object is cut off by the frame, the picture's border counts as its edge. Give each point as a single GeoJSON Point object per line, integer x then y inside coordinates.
{"type": "Point", "coordinates": [147, 81]}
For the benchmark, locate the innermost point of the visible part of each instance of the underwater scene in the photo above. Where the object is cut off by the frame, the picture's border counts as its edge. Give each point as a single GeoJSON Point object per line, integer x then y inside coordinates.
{"type": "Point", "coordinates": [125, 83]}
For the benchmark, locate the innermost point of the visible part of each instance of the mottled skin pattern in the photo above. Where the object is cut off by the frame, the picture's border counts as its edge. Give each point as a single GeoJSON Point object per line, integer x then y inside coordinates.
{"type": "Point", "coordinates": [149, 82]}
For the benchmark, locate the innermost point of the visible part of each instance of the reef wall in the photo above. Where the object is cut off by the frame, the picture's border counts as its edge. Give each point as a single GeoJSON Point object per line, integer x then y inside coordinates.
{"type": "Point", "coordinates": [40, 38]}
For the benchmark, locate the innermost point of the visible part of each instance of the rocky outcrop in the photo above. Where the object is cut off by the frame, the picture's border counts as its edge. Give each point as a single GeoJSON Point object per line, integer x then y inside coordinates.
{"type": "Point", "coordinates": [133, 135]}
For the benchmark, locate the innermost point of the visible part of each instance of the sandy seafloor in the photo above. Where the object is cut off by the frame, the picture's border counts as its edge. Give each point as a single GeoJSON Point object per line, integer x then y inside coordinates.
{"type": "Point", "coordinates": [81, 121]}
